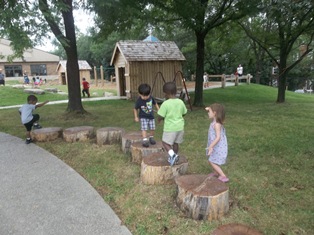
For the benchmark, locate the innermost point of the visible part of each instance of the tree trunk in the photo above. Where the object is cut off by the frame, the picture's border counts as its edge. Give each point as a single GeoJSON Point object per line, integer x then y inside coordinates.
{"type": "Point", "coordinates": [282, 79]}
{"type": "Point", "coordinates": [200, 40]}
{"type": "Point", "coordinates": [72, 67]}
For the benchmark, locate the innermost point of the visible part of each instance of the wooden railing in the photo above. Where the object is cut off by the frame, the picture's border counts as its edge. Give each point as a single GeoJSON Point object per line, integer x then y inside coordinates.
{"type": "Point", "coordinates": [226, 78]}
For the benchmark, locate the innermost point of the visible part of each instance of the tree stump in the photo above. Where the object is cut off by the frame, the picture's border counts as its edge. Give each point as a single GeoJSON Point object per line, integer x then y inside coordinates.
{"type": "Point", "coordinates": [201, 197]}
{"type": "Point", "coordinates": [80, 133]}
{"type": "Point", "coordinates": [155, 169]}
{"type": "Point", "coordinates": [109, 135]}
{"type": "Point", "coordinates": [46, 134]}
{"type": "Point", "coordinates": [138, 152]}
{"type": "Point", "coordinates": [235, 229]}
{"type": "Point", "coordinates": [130, 138]}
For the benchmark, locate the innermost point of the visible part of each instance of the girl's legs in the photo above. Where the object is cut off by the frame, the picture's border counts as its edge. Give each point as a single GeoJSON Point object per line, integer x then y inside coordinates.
{"type": "Point", "coordinates": [217, 169]}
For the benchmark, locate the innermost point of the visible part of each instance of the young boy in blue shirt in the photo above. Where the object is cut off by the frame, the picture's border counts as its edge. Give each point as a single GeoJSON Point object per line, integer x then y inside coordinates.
{"type": "Point", "coordinates": [28, 118]}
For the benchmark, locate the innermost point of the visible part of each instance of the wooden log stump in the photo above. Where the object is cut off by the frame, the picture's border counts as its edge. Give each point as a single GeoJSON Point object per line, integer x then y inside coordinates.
{"type": "Point", "coordinates": [235, 229]}
{"type": "Point", "coordinates": [155, 169]}
{"type": "Point", "coordinates": [202, 197]}
{"type": "Point", "coordinates": [129, 138]}
{"type": "Point", "coordinates": [46, 134]}
{"type": "Point", "coordinates": [109, 135]}
{"type": "Point", "coordinates": [138, 152]}
{"type": "Point", "coordinates": [80, 133]}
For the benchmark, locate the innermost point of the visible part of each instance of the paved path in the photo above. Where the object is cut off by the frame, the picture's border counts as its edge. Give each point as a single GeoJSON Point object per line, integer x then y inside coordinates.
{"type": "Point", "coordinates": [41, 195]}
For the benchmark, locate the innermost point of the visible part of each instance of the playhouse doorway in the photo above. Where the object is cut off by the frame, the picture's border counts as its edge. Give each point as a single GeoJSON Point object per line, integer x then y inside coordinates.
{"type": "Point", "coordinates": [122, 81]}
{"type": "Point", "coordinates": [63, 79]}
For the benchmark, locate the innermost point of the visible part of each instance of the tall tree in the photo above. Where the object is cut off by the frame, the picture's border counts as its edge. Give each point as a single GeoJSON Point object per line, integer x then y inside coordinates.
{"type": "Point", "coordinates": [25, 24]}
{"type": "Point", "coordinates": [285, 21]}
{"type": "Point", "coordinates": [201, 16]}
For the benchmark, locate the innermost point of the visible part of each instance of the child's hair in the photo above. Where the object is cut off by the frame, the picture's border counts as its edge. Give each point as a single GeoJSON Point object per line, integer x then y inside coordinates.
{"type": "Point", "coordinates": [170, 88]}
{"type": "Point", "coordinates": [144, 89]}
{"type": "Point", "coordinates": [83, 79]}
{"type": "Point", "coordinates": [219, 109]}
{"type": "Point", "coordinates": [31, 98]}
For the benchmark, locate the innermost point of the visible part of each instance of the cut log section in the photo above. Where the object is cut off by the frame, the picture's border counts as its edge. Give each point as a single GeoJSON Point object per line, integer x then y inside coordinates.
{"type": "Point", "coordinates": [46, 134]}
{"type": "Point", "coordinates": [155, 169]}
{"type": "Point", "coordinates": [235, 229]}
{"type": "Point", "coordinates": [202, 197]}
{"type": "Point", "coordinates": [138, 152]}
{"type": "Point", "coordinates": [129, 138]}
{"type": "Point", "coordinates": [80, 133]}
{"type": "Point", "coordinates": [109, 135]}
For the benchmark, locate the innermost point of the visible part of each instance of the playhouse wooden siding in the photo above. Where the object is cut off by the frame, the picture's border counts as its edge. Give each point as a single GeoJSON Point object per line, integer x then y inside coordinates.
{"type": "Point", "coordinates": [140, 62]}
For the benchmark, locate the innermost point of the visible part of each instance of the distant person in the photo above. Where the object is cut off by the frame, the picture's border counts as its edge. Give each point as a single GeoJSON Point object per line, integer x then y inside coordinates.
{"type": "Point", "coordinates": [26, 79]}
{"type": "Point", "coordinates": [172, 111]}
{"type": "Point", "coordinates": [240, 70]}
{"type": "Point", "coordinates": [205, 80]}
{"type": "Point", "coordinates": [217, 146]}
{"type": "Point", "coordinates": [85, 88]}
{"type": "Point", "coordinates": [143, 112]}
{"type": "Point", "coordinates": [28, 118]}
{"type": "Point", "coordinates": [2, 81]}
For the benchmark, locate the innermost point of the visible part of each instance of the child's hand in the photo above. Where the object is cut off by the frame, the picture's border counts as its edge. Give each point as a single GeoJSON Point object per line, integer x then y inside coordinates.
{"type": "Point", "coordinates": [209, 149]}
{"type": "Point", "coordinates": [136, 119]}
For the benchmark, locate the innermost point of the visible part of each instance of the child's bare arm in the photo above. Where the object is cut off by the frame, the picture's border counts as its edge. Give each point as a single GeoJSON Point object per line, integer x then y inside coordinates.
{"type": "Point", "coordinates": [135, 115]}
{"type": "Point", "coordinates": [160, 118]}
{"type": "Point", "coordinates": [42, 104]}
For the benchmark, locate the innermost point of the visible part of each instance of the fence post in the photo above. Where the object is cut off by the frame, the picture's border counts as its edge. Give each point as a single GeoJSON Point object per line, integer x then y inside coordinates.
{"type": "Point", "coordinates": [236, 81]}
{"type": "Point", "coordinates": [101, 75]}
{"type": "Point", "coordinates": [95, 76]}
{"type": "Point", "coordinates": [223, 81]}
{"type": "Point", "coordinates": [248, 80]}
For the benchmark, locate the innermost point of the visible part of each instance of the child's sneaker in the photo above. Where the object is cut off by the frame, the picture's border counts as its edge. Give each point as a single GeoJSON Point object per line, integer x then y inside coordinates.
{"type": "Point", "coordinates": [223, 179]}
{"type": "Point", "coordinates": [37, 126]}
{"type": "Point", "coordinates": [145, 143]}
{"type": "Point", "coordinates": [152, 141]}
{"type": "Point", "coordinates": [28, 141]}
{"type": "Point", "coordinates": [174, 159]}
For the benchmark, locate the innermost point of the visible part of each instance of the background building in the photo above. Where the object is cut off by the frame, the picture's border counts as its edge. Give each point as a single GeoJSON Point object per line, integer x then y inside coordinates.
{"type": "Point", "coordinates": [34, 61]}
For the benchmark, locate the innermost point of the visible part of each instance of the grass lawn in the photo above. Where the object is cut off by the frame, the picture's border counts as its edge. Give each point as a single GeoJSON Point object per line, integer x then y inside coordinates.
{"type": "Point", "coordinates": [270, 162]}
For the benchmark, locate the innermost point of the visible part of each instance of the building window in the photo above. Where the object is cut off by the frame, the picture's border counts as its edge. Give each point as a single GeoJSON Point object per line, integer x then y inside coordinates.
{"type": "Point", "coordinates": [38, 69]}
{"type": "Point", "coordinates": [13, 71]}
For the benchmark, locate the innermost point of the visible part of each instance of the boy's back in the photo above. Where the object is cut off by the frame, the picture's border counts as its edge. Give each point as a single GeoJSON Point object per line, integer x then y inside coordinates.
{"type": "Point", "coordinates": [173, 110]}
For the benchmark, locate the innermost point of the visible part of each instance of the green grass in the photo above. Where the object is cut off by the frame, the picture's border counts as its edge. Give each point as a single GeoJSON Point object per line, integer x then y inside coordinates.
{"type": "Point", "coordinates": [270, 162]}
{"type": "Point", "coordinates": [18, 96]}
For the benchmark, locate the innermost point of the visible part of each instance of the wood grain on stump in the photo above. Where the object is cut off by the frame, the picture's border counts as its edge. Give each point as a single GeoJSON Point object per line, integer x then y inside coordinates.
{"type": "Point", "coordinates": [46, 134]}
{"type": "Point", "coordinates": [109, 135]}
{"type": "Point", "coordinates": [155, 169]}
{"type": "Point", "coordinates": [80, 133]}
{"type": "Point", "coordinates": [138, 152]}
{"type": "Point", "coordinates": [235, 229]}
{"type": "Point", "coordinates": [129, 138]}
{"type": "Point", "coordinates": [201, 197]}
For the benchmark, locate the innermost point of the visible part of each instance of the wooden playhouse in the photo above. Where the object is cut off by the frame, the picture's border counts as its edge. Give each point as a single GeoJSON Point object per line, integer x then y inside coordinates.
{"type": "Point", "coordinates": [84, 68]}
{"type": "Point", "coordinates": [148, 62]}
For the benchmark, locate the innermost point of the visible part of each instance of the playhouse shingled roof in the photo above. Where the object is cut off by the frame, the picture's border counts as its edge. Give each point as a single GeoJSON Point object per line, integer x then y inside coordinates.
{"type": "Point", "coordinates": [147, 51]}
{"type": "Point", "coordinates": [83, 65]}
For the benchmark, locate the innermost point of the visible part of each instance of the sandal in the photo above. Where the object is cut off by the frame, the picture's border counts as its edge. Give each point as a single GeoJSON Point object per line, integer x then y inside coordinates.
{"type": "Point", "coordinates": [223, 179]}
{"type": "Point", "coordinates": [212, 175]}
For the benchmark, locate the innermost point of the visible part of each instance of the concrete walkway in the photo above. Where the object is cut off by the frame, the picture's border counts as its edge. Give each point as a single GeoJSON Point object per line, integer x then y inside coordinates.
{"type": "Point", "coordinates": [41, 195]}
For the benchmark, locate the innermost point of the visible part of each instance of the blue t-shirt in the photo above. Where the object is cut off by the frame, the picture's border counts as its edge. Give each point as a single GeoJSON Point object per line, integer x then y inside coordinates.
{"type": "Point", "coordinates": [145, 107]}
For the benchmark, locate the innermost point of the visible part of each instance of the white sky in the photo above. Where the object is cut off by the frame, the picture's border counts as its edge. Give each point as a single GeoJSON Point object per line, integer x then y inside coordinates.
{"type": "Point", "coordinates": [82, 21]}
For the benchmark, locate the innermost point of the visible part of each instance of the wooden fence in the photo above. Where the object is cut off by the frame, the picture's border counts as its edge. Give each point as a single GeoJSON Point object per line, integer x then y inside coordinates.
{"type": "Point", "coordinates": [233, 78]}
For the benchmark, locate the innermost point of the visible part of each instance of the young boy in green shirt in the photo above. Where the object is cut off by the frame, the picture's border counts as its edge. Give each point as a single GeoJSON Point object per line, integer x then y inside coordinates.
{"type": "Point", "coordinates": [172, 111]}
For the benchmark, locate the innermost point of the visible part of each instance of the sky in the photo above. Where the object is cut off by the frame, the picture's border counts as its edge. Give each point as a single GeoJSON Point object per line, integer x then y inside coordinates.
{"type": "Point", "coordinates": [82, 20]}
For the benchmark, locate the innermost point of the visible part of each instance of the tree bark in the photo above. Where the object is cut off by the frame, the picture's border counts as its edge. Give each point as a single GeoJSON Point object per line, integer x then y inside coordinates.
{"type": "Point", "coordinates": [200, 44]}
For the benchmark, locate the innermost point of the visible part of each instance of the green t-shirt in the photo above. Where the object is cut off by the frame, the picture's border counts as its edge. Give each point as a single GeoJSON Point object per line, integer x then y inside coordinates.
{"type": "Point", "coordinates": [172, 110]}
